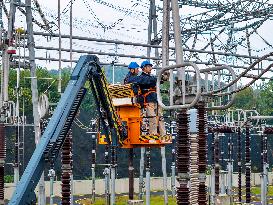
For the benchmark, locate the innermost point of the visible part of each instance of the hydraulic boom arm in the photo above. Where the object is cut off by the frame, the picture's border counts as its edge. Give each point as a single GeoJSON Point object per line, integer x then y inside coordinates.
{"type": "Point", "coordinates": [87, 68]}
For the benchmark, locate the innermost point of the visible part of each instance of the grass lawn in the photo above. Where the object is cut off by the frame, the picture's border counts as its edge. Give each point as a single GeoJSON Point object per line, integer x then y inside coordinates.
{"type": "Point", "coordinates": [122, 200]}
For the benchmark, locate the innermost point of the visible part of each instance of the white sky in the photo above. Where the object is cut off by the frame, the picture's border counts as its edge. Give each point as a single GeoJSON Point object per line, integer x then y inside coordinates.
{"type": "Point", "coordinates": [88, 14]}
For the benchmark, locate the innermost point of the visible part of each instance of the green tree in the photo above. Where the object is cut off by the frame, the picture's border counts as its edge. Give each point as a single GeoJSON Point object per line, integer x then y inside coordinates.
{"type": "Point", "coordinates": [245, 99]}
{"type": "Point", "coordinates": [265, 100]}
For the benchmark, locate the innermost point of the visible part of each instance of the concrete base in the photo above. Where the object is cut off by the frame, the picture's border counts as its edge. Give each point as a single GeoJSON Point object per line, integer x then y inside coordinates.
{"type": "Point", "coordinates": [223, 200]}
{"type": "Point", "coordinates": [135, 202]}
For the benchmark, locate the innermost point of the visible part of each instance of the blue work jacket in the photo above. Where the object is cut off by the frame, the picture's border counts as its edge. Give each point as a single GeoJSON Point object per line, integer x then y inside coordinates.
{"type": "Point", "coordinates": [147, 83]}
{"type": "Point", "coordinates": [130, 78]}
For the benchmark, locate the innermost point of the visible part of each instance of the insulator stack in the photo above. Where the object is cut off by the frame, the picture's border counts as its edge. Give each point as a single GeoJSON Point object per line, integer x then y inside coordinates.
{"type": "Point", "coordinates": [216, 161]}
{"type": "Point", "coordinates": [93, 155]}
{"type": "Point", "coordinates": [247, 164]}
{"type": "Point", "coordinates": [212, 150]}
{"type": "Point", "coordinates": [262, 153]}
{"type": "Point", "coordinates": [113, 156]}
{"type": "Point", "coordinates": [265, 149]}
{"type": "Point", "coordinates": [2, 160]}
{"type": "Point", "coordinates": [173, 132]}
{"type": "Point", "coordinates": [93, 164]}
{"type": "Point", "coordinates": [194, 177]}
{"type": "Point", "coordinates": [239, 150]}
{"type": "Point", "coordinates": [183, 157]}
{"type": "Point", "coordinates": [67, 169]}
{"type": "Point", "coordinates": [148, 159]}
{"type": "Point", "coordinates": [202, 154]}
{"type": "Point", "coordinates": [16, 155]}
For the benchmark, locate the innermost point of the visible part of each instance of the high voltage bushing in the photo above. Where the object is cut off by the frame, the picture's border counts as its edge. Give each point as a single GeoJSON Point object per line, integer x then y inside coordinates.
{"type": "Point", "coordinates": [66, 169]}
{"type": "Point", "coordinates": [202, 153]}
{"type": "Point", "coordinates": [183, 157]}
{"type": "Point", "coordinates": [247, 164]}
{"type": "Point", "coordinates": [2, 160]}
{"type": "Point", "coordinates": [239, 166]}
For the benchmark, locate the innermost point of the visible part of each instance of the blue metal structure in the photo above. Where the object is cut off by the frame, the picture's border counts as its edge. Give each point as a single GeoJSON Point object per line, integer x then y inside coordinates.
{"type": "Point", "coordinates": [87, 68]}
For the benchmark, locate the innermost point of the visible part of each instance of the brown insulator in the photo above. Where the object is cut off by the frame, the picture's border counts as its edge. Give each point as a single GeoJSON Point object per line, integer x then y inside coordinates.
{"type": "Point", "coordinates": [268, 130]}
{"type": "Point", "coordinates": [183, 195]}
{"type": "Point", "coordinates": [182, 142]}
{"type": "Point", "coordinates": [202, 153]}
{"type": "Point", "coordinates": [239, 166]}
{"type": "Point", "coordinates": [183, 157]}
{"type": "Point", "coordinates": [66, 188]}
{"type": "Point", "coordinates": [216, 161]}
{"type": "Point", "coordinates": [66, 169]}
{"type": "Point", "coordinates": [247, 164]}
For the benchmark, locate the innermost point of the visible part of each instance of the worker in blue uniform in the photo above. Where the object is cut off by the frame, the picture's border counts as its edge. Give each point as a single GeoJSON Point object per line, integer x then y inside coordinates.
{"type": "Point", "coordinates": [147, 85]}
{"type": "Point", "coordinates": [131, 77]}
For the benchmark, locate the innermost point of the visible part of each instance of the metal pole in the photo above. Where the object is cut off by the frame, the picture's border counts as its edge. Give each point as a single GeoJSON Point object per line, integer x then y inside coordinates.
{"type": "Point", "coordinates": [264, 169]}
{"type": "Point", "coordinates": [93, 165]}
{"type": "Point", "coordinates": [71, 33]}
{"type": "Point", "coordinates": [213, 170]}
{"type": "Point", "coordinates": [229, 167]}
{"type": "Point", "coordinates": [34, 90]}
{"type": "Point", "coordinates": [51, 175]}
{"type": "Point", "coordinates": [164, 172]}
{"type": "Point", "coordinates": [173, 132]}
{"type": "Point", "coordinates": [150, 28]}
{"type": "Point", "coordinates": [155, 40]}
{"type": "Point", "coordinates": [107, 176]}
{"type": "Point", "coordinates": [223, 187]}
{"type": "Point", "coordinates": [17, 142]}
{"type": "Point", "coordinates": [60, 48]}
{"type": "Point", "coordinates": [178, 45]}
{"type": "Point", "coordinates": [113, 175]}
{"type": "Point", "coordinates": [216, 160]}
{"type": "Point", "coordinates": [165, 43]}
{"type": "Point", "coordinates": [165, 62]}
{"type": "Point", "coordinates": [2, 161]}
{"type": "Point", "coordinates": [239, 166]}
{"type": "Point", "coordinates": [141, 170]}
{"type": "Point", "coordinates": [148, 176]}
{"type": "Point", "coordinates": [131, 173]}
{"type": "Point", "coordinates": [247, 165]}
